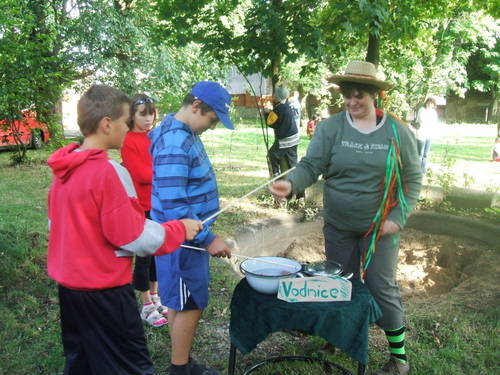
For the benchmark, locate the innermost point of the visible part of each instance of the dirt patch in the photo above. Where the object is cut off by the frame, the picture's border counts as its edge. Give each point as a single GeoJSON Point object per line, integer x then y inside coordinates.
{"type": "Point", "coordinates": [429, 264]}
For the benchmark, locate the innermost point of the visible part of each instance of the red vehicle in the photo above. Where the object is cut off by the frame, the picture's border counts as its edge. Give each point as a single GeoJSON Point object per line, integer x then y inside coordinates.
{"type": "Point", "coordinates": [31, 132]}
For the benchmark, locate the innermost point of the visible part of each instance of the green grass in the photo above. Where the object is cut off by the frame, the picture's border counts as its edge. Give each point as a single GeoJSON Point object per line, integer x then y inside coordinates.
{"type": "Point", "coordinates": [474, 149]}
{"type": "Point", "coordinates": [443, 338]}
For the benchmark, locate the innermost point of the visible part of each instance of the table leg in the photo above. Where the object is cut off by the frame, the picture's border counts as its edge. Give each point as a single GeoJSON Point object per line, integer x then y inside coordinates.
{"type": "Point", "coordinates": [232, 360]}
{"type": "Point", "coordinates": [361, 368]}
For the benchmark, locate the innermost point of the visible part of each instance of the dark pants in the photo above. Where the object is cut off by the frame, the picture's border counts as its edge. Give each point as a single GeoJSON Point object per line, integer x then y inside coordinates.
{"type": "Point", "coordinates": [282, 159]}
{"type": "Point", "coordinates": [346, 247]}
{"type": "Point", "coordinates": [144, 270]}
{"type": "Point", "coordinates": [102, 333]}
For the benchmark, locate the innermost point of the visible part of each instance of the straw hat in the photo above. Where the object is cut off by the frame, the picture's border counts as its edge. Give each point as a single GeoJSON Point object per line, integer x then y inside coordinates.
{"type": "Point", "coordinates": [361, 72]}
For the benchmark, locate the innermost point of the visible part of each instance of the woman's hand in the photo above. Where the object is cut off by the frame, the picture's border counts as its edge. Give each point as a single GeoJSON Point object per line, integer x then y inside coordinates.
{"type": "Point", "coordinates": [390, 227]}
{"type": "Point", "coordinates": [281, 189]}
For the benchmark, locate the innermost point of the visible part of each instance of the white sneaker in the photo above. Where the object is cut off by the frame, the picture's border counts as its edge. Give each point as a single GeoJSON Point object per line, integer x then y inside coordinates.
{"type": "Point", "coordinates": [151, 316]}
{"type": "Point", "coordinates": [163, 310]}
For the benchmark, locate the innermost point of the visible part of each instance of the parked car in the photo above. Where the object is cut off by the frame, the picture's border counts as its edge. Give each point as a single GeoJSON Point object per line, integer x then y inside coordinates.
{"type": "Point", "coordinates": [32, 132]}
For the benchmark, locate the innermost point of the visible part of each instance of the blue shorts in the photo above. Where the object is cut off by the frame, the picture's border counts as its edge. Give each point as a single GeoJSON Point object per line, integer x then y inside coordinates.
{"type": "Point", "coordinates": [183, 278]}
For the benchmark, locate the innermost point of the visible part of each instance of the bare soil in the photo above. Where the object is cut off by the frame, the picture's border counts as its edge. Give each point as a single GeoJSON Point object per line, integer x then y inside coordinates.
{"type": "Point", "coordinates": [429, 264]}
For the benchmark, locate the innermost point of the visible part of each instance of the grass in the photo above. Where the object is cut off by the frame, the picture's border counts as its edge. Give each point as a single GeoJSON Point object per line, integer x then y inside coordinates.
{"type": "Point", "coordinates": [472, 149]}
{"type": "Point", "coordinates": [444, 336]}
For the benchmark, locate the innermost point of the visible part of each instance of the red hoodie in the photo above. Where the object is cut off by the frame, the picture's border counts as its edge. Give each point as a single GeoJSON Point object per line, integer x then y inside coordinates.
{"type": "Point", "coordinates": [96, 222]}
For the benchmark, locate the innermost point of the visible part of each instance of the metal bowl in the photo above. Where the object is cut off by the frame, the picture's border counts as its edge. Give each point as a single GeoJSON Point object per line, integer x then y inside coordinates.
{"type": "Point", "coordinates": [323, 268]}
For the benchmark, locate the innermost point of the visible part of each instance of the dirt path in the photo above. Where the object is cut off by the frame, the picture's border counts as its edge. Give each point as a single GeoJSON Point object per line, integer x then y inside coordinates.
{"type": "Point", "coordinates": [429, 264]}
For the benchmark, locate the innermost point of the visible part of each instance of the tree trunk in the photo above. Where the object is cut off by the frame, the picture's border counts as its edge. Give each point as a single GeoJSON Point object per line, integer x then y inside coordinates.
{"type": "Point", "coordinates": [373, 50]}
{"type": "Point", "coordinates": [276, 6]}
{"type": "Point", "coordinates": [275, 76]}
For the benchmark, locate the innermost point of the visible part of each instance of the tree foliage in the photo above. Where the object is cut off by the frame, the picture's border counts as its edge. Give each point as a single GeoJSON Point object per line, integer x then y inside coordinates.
{"type": "Point", "coordinates": [49, 45]}
{"type": "Point", "coordinates": [31, 71]}
{"type": "Point", "coordinates": [256, 36]}
{"type": "Point", "coordinates": [425, 47]}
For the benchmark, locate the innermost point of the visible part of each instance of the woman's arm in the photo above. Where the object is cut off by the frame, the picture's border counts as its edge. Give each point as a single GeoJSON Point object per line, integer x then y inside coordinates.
{"type": "Point", "coordinates": [317, 156]}
{"type": "Point", "coordinates": [411, 173]}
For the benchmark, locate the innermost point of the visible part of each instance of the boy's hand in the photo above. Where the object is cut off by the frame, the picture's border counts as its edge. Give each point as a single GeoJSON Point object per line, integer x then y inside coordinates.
{"type": "Point", "coordinates": [192, 227]}
{"type": "Point", "coordinates": [218, 248]}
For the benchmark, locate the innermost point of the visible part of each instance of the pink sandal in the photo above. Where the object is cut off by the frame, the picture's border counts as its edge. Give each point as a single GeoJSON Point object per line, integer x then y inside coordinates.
{"type": "Point", "coordinates": [163, 310]}
{"type": "Point", "coordinates": [151, 316]}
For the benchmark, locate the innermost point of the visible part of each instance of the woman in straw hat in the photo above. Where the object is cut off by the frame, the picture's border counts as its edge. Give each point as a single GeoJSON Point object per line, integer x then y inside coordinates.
{"type": "Point", "coordinates": [369, 162]}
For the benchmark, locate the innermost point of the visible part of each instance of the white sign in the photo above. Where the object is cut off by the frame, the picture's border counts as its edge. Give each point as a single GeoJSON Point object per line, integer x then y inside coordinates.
{"type": "Point", "coordinates": [315, 289]}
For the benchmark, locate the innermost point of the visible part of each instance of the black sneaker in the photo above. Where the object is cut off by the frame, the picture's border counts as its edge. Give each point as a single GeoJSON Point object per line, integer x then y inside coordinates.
{"type": "Point", "coordinates": [394, 367]}
{"type": "Point", "coordinates": [201, 369]}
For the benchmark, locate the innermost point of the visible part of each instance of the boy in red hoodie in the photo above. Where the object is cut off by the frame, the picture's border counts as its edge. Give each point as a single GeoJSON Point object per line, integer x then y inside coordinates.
{"type": "Point", "coordinates": [96, 225]}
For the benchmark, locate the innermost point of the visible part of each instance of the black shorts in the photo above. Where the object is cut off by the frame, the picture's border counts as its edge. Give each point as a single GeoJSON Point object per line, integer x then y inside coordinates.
{"type": "Point", "coordinates": [102, 333]}
{"type": "Point", "coordinates": [190, 304]}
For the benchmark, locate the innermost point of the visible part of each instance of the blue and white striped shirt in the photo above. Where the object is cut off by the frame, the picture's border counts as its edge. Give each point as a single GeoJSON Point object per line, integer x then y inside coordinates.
{"type": "Point", "coordinates": [184, 183]}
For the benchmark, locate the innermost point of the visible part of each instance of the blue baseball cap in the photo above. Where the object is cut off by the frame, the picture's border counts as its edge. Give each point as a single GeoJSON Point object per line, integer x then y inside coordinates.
{"type": "Point", "coordinates": [216, 97]}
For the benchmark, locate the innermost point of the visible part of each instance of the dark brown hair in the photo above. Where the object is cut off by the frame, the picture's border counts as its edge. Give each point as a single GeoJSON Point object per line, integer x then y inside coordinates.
{"type": "Point", "coordinates": [190, 98]}
{"type": "Point", "coordinates": [430, 100]}
{"type": "Point", "coordinates": [136, 101]}
{"type": "Point", "coordinates": [349, 88]}
{"type": "Point", "coordinates": [99, 101]}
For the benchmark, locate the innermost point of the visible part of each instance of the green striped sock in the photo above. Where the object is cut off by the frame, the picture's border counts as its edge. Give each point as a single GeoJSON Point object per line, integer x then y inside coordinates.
{"type": "Point", "coordinates": [396, 340]}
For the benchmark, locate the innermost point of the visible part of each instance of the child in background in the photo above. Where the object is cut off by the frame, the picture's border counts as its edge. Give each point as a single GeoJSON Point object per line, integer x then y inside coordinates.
{"type": "Point", "coordinates": [311, 125]}
{"type": "Point", "coordinates": [495, 152]}
{"type": "Point", "coordinates": [95, 225]}
{"type": "Point", "coordinates": [428, 120]}
{"type": "Point", "coordinates": [137, 159]}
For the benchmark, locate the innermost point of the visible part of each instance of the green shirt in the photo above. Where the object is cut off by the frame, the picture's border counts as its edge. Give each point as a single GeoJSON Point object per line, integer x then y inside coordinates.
{"type": "Point", "coordinates": [353, 165]}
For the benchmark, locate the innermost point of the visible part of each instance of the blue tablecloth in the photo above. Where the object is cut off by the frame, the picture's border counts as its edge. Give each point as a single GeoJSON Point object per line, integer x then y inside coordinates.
{"type": "Point", "coordinates": [344, 324]}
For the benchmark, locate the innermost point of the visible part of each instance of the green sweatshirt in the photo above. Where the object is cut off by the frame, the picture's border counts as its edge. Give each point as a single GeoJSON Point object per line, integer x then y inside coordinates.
{"type": "Point", "coordinates": [353, 166]}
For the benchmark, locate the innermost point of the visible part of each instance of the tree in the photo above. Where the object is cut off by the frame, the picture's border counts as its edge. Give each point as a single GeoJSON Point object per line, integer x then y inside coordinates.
{"type": "Point", "coordinates": [29, 70]}
{"type": "Point", "coordinates": [255, 36]}
{"type": "Point", "coordinates": [48, 45]}
{"type": "Point", "coordinates": [416, 43]}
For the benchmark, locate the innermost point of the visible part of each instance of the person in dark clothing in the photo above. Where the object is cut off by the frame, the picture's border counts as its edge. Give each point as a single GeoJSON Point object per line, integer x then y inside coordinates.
{"type": "Point", "coordinates": [283, 152]}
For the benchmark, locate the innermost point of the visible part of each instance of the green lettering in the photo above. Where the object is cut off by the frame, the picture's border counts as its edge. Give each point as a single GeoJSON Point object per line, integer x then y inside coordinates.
{"type": "Point", "coordinates": [334, 292]}
{"type": "Point", "coordinates": [286, 290]}
{"type": "Point", "coordinates": [303, 291]}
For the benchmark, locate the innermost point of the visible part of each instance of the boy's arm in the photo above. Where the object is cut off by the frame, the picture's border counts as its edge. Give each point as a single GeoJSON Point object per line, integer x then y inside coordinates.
{"type": "Point", "coordinates": [158, 239]}
{"type": "Point", "coordinates": [122, 219]}
{"type": "Point", "coordinates": [170, 197]}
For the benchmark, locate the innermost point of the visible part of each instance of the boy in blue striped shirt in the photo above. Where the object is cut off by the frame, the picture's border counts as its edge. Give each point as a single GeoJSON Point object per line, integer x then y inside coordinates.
{"type": "Point", "coordinates": [185, 186]}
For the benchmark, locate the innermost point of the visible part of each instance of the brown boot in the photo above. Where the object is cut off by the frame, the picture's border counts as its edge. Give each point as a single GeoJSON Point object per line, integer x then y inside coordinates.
{"type": "Point", "coordinates": [394, 367]}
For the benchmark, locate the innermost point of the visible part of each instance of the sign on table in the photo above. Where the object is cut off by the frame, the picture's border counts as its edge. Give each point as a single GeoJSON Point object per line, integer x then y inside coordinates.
{"type": "Point", "coordinates": [315, 289]}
